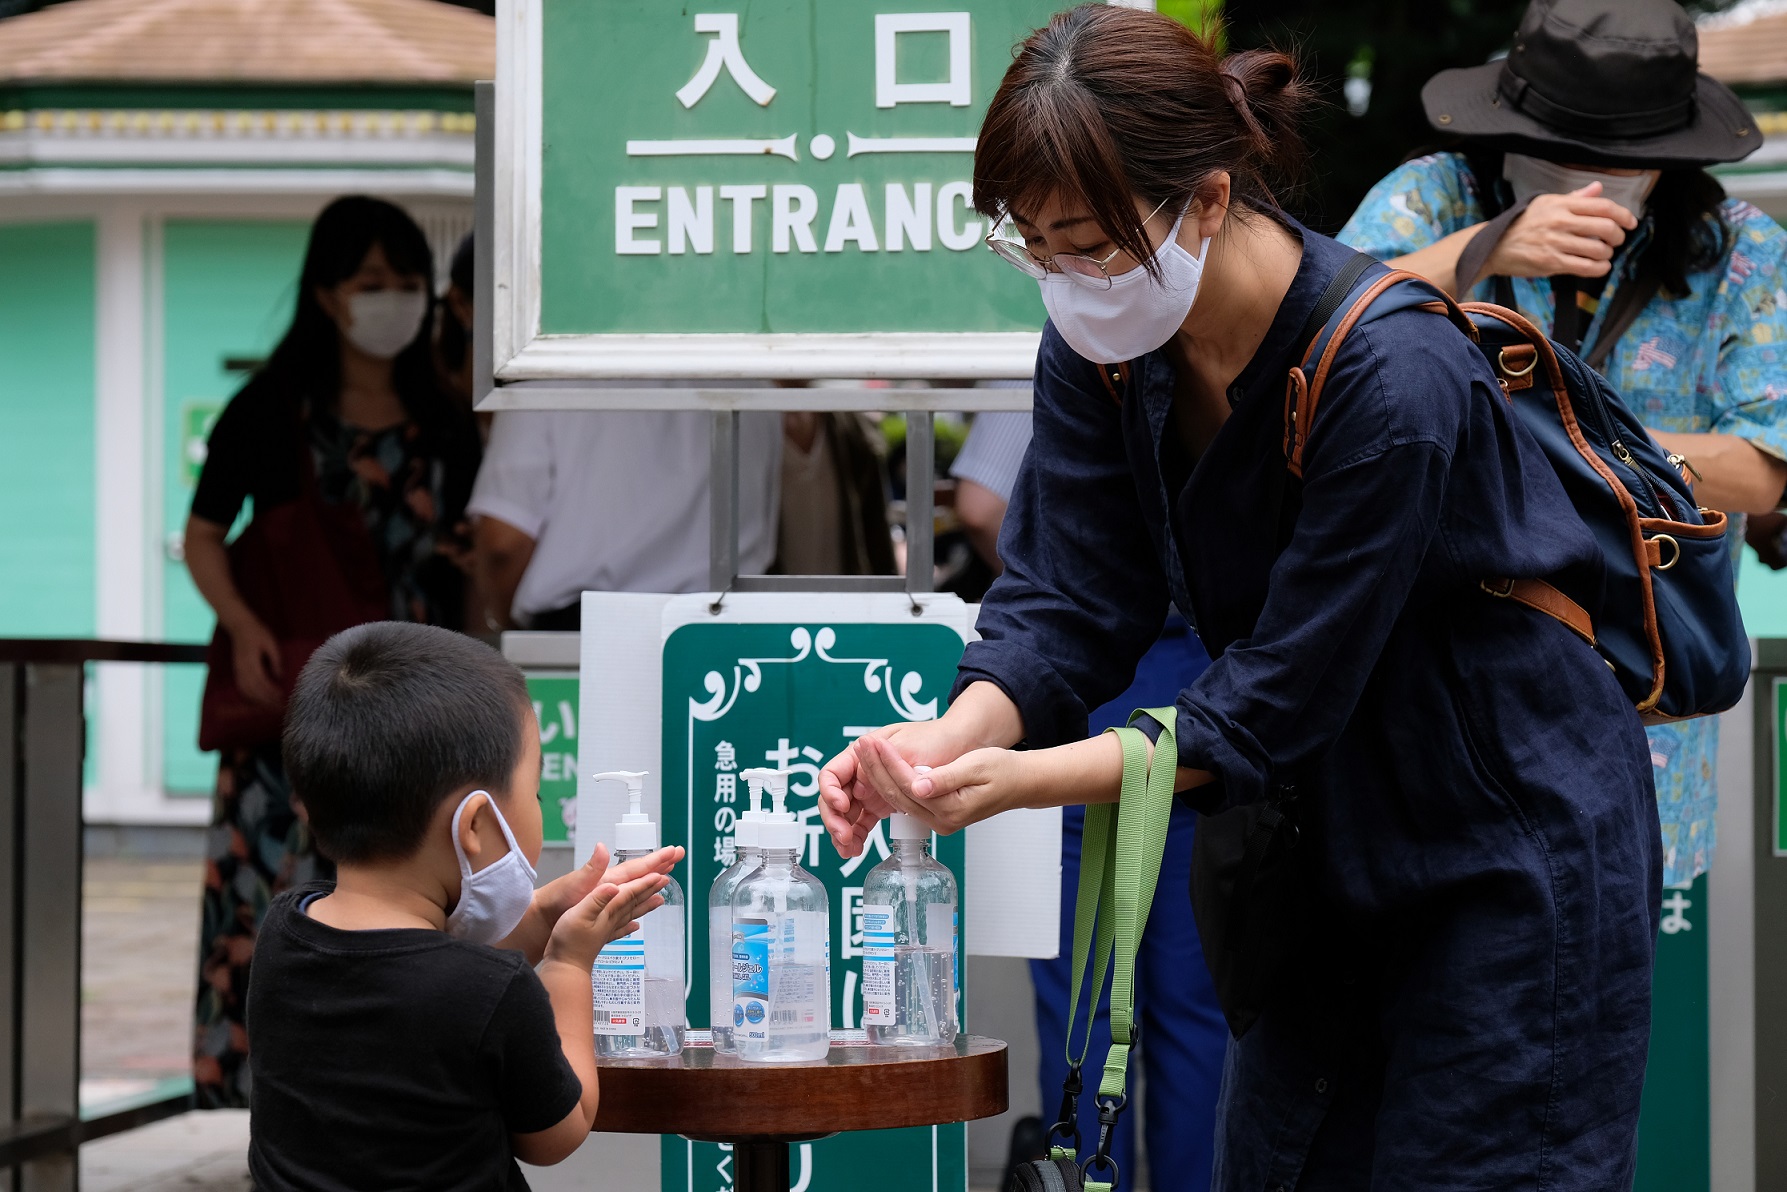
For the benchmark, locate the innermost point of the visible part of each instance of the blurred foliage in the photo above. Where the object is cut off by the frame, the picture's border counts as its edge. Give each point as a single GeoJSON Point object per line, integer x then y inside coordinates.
{"type": "Point", "coordinates": [1396, 45]}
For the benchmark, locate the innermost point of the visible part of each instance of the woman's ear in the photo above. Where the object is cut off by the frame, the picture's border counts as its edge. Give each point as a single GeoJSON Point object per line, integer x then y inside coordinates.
{"type": "Point", "coordinates": [1211, 206]}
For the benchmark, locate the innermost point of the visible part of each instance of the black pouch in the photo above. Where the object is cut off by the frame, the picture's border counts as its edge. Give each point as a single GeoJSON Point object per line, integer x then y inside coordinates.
{"type": "Point", "coordinates": [1248, 894]}
{"type": "Point", "coordinates": [1046, 1175]}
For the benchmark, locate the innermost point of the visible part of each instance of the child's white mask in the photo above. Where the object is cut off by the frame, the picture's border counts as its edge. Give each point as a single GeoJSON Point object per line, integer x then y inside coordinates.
{"type": "Point", "coordinates": [492, 900]}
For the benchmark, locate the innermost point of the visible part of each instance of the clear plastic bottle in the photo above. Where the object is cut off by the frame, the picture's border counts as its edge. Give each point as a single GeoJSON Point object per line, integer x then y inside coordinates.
{"type": "Point", "coordinates": [638, 979]}
{"type": "Point", "coordinates": [781, 947]}
{"type": "Point", "coordinates": [719, 911]}
{"type": "Point", "coordinates": [909, 943]}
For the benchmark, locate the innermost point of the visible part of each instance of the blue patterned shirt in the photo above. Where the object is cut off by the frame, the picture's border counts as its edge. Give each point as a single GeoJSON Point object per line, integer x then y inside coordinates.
{"type": "Point", "coordinates": [1713, 361]}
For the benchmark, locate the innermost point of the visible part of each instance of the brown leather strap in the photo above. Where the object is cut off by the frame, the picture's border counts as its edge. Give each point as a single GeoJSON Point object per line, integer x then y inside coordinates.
{"type": "Point", "coordinates": [1541, 596]}
{"type": "Point", "coordinates": [1304, 392]}
{"type": "Point", "coordinates": [1115, 378]}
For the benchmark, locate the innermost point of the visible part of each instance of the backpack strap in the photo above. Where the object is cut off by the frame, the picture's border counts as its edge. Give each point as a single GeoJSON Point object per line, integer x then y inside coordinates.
{"type": "Point", "coordinates": [1303, 386]}
{"type": "Point", "coordinates": [1115, 378]}
{"type": "Point", "coordinates": [1543, 597]}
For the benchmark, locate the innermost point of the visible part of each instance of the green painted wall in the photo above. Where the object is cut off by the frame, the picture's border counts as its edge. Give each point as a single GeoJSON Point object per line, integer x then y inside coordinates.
{"type": "Point", "coordinates": [47, 282]}
{"type": "Point", "coordinates": [227, 292]}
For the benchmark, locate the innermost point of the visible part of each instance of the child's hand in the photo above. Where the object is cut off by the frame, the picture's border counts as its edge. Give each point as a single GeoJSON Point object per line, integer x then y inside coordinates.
{"type": "Point", "coordinates": [556, 897]}
{"type": "Point", "coordinates": [606, 913]}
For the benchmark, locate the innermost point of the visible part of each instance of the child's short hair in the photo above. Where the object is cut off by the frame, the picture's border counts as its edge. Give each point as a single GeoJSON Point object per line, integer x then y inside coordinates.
{"type": "Point", "coordinates": [389, 719]}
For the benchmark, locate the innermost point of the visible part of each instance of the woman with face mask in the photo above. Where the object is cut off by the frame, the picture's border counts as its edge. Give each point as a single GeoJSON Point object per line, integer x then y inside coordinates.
{"type": "Point", "coordinates": [1578, 194]}
{"type": "Point", "coordinates": [357, 467]}
{"type": "Point", "coordinates": [1464, 922]}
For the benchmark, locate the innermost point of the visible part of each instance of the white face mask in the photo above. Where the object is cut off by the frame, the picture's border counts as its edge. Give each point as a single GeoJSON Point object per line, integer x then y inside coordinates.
{"type": "Point", "coordinates": [1137, 314]}
{"type": "Point", "coordinates": [492, 900]}
{"type": "Point", "coordinates": [1531, 176]}
{"type": "Point", "coordinates": [385, 322]}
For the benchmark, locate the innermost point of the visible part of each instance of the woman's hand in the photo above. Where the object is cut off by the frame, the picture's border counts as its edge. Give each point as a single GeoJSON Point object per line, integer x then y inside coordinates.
{"type": "Point", "coordinates": [1575, 233]}
{"type": "Point", "coordinates": [947, 798]}
{"type": "Point", "coordinates": [851, 805]}
{"type": "Point", "coordinates": [255, 655]}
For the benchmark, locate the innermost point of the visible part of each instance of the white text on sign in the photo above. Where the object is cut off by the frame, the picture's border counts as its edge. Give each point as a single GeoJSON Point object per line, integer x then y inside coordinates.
{"type": "Point", "coordinates": [911, 218]}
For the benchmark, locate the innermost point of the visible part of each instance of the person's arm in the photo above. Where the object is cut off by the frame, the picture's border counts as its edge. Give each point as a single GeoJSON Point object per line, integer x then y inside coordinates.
{"type": "Point", "coordinates": [254, 649]}
{"type": "Point", "coordinates": [1575, 234]}
{"type": "Point", "coordinates": [607, 913]}
{"type": "Point", "coordinates": [1740, 463]}
{"type": "Point", "coordinates": [500, 555]}
{"type": "Point", "coordinates": [982, 512]}
{"type": "Point", "coordinates": [509, 505]}
{"type": "Point", "coordinates": [1269, 703]}
{"type": "Point", "coordinates": [1082, 598]}
{"type": "Point", "coordinates": [237, 444]}
{"type": "Point", "coordinates": [1735, 475]}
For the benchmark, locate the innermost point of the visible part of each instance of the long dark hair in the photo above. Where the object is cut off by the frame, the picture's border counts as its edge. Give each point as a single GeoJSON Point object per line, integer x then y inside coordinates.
{"type": "Point", "coordinates": [1107, 104]}
{"type": "Point", "coordinates": [307, 362]}
{"type": "Point", "coordinates": [1689, 232]}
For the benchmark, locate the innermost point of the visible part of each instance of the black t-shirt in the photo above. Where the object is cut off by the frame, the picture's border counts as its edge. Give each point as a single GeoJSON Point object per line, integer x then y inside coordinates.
{"type": "Point", "coordinates": [394, 1060]}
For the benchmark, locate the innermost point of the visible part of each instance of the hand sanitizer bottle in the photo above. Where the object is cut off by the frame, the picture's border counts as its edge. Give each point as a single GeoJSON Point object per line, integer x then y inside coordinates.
{"type": "Point", "coordinates": [909, 943]}
{"type": "Point", "coordinates": [781, 947]}
{"type": "Point", "coordinates": [719, 911]}
{"type": "Point", "coordinates": [638, 978]}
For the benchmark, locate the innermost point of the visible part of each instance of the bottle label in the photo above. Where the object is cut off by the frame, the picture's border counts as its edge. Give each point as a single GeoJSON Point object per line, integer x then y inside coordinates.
{"type": "Point", "coordinates": [751, 941]}
{"type": "Point", "coordinates": [878, 939]}
{"type": "Point", "coordinates": [619, 984]}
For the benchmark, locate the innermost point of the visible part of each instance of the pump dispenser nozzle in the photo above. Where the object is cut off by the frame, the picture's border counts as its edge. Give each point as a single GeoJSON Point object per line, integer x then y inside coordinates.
{"type": "Point", "coordinates": [780, 828]}
{"type": "Point", "coordinates": [635, 832]}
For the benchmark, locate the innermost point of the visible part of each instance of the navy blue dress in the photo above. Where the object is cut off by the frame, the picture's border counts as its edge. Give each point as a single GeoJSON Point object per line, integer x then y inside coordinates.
{"type": "Point", "coordinates": [1477, 795]}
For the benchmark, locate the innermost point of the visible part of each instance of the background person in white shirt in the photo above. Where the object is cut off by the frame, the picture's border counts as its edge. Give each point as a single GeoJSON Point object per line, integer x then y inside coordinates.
{"type": "Point", "coordinates": [609, 501]}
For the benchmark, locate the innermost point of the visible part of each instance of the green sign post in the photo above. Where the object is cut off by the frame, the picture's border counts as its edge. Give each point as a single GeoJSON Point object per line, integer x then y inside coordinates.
{"type": "Point", "coordinates": [737, 695]}
{"type": "Point", "coordinates": [773, 189]}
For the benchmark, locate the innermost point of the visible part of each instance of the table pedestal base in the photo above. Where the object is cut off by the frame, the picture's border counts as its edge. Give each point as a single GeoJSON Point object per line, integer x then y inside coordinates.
{"type": "Point", "coordinates": [760, 1167]}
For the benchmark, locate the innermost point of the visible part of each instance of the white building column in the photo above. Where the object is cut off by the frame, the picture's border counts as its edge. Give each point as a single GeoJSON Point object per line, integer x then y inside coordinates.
{"type": "Point", "coordinates": [124, 780]}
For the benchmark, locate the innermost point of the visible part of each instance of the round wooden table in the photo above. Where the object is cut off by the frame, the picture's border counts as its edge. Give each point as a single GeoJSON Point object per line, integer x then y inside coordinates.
{"type": "Point", "coordinates": [760, 1108]}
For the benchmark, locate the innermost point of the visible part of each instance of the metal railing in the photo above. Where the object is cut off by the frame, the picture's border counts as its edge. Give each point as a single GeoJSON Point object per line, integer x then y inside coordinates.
{"type": "Point", "coordinates": [42, 749]}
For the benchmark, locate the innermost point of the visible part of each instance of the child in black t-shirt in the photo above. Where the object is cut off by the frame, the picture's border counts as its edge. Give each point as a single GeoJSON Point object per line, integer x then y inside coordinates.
{"type": "Point", "coordinates": [402, 1037]}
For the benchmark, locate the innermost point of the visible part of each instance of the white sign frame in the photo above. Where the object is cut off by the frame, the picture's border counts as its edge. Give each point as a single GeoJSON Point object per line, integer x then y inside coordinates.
{"type": "Point", "coordinates": [521, 353]}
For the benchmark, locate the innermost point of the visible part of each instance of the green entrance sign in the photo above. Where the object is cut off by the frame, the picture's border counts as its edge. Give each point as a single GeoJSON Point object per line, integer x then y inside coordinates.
{"type": "Point", "coordinates": [737, 695]}
{"type": "Point", "coordinates": [782, 188]}
{"type": "Point", "coordinates": [554, 698]}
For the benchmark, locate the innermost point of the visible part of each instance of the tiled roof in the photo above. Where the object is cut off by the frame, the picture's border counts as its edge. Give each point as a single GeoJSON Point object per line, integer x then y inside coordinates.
{"type": "Point", "coordinates": [249, 41]}
{"type": "Point", "coordinates": [1753, 52]}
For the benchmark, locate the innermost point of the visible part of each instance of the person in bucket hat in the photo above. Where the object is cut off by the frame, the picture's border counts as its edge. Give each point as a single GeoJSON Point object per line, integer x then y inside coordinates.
{"type": "Point", "coordinates": [1575, 190]}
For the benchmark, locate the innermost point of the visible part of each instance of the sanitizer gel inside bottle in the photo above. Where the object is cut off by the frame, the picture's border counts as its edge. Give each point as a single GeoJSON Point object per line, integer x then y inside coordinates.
{"type": "Point", "coordinates": [638, 979]}
{"type": "Point", "coordinates": [909, 943]}
{"type": "Point", "coordinates": [719, 910]}
{"type": "Point", "coordinates": [781, 962]}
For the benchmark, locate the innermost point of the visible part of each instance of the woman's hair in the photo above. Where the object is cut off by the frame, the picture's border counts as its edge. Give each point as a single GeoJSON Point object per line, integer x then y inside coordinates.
{"type": "Point", "coordinates": [308, 358]}
{"type": "Point", "coordinates": [1105, 105]}
{"type": "Point", "coordinates": [1689, 233]}
{"type": "Point", "coordinates": [453, 335]}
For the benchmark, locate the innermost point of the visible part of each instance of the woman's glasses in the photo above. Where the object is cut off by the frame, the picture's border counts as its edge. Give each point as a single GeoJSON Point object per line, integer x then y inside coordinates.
{"type": "Point", "coordinates": [1077, 267]}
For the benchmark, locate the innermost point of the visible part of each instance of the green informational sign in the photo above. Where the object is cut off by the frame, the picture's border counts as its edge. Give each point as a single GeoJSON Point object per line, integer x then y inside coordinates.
{"type": "Point", "coordinates": [790, 696]}
{"type": "Point", "coordinates": [735, 175]}
{"type": "Point", "coordinates": [1675, 1121]}
{"type": "Point", "coordinates": [555, 706]}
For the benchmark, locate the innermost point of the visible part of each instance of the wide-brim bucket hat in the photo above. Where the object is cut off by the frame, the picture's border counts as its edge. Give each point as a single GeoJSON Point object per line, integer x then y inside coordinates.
{"type": "Point", "coordinates": [1604, 82]}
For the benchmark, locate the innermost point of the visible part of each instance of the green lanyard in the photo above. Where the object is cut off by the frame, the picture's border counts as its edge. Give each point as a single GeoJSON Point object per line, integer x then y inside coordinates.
{"type": "Point", "coordinates": [1119, 869]}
